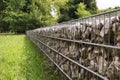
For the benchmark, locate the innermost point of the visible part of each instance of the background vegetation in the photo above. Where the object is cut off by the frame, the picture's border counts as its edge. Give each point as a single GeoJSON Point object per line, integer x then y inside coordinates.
{"type": "Point", "coordinates": [19, 16]}
{"type": "Point", "coordinates": [72, 9]}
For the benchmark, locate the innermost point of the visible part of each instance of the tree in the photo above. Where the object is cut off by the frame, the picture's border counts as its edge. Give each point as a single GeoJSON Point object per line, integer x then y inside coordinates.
{"type": "Point", "coordinates": [23, 15]}
{"type": "Point", "coordinates": [3, 25]}
{"type": "Point", "coordinates": [27, 14]}
{"type": "Point", "coordinates": [69, 8]}
{"type": "Point", "coordinates": [81, 12]}
{"type": "Point", "coordinates": [62, 10]}
{"type": "Point", "coordinates": [91, 6]}
{"type": "Point", "coordinates": [40, 10]}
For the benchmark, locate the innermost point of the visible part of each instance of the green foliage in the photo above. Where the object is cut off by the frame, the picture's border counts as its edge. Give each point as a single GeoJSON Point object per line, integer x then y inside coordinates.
{"type": "Point", "coordinates": [81, 12]}
{"type": "Point", "coordinates": [64, 15]}
{"type": "Point", "coordinates": [26, 14]}
{"type": "Point", "coordinates": [20, 59]}
{"type": "Point", "coordinates": [62, 10]}
{"type": "Point", "coordinates": [2, 5]}
{"type": "Point", "coordinates": [67, 11]}
{"type": "Point", "coordinates": [91, 6]}
{"type": "Point", "coordinates": [3, 24]}
{"type": "Point", "coordinates": [19, 16]}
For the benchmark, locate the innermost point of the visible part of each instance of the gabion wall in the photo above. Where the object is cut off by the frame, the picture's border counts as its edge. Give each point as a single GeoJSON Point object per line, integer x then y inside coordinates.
{"type": "Point", "coordinates": [83, 49]}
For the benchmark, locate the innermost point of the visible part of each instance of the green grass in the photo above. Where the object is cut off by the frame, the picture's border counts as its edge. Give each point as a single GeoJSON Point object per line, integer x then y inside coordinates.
{"type": "Point", "coordinates": [20, 59]}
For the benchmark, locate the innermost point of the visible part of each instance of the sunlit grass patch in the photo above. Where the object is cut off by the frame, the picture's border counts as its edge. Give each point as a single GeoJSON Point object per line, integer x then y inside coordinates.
{"type": "Point", "coordinates": [20, 59]}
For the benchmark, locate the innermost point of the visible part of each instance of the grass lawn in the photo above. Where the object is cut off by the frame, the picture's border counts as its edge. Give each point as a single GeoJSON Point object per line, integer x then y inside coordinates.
{"type": "Point", "coordinates": [20, 59]}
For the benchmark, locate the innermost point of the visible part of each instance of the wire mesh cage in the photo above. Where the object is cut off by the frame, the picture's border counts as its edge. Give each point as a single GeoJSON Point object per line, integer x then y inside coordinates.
{"type": "Point", "coordinates": [83, 49]}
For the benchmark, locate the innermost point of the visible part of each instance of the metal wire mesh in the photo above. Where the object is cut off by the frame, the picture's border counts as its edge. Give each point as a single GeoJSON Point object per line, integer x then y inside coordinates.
{"type": "Point", "coordinates": [86, 48]}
